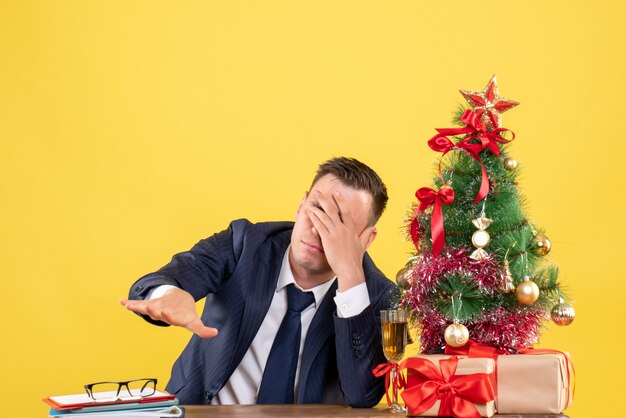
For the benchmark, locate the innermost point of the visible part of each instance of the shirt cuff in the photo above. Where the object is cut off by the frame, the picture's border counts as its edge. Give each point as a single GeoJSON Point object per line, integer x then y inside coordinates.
{"type": "Point", "coordinates": [159, 291]}
{"type": "Point", "coordinates": [353, 301]}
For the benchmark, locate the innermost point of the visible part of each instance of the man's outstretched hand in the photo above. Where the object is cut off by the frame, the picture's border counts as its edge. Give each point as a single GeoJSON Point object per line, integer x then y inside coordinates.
{"type": "Point", "coordinates": [175, 307]}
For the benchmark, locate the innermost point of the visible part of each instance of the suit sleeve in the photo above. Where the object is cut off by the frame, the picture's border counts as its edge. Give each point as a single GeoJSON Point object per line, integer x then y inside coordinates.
{"type": "Point", "coordinates": [359, 346]}
{"type": "Point", "coordinates": [199, 271]}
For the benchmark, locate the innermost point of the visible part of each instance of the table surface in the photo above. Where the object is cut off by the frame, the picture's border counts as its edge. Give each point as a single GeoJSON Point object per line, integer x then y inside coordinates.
{"type": "Point", "coordinates": [304, 411]}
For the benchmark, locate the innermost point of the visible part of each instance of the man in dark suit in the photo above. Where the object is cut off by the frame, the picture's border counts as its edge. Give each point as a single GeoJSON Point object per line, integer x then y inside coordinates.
{"type": "Point", "coordinates": [254, 275]}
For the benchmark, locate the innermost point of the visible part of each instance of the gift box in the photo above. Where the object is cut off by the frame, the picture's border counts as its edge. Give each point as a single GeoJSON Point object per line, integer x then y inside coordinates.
{"type": "Point", "coordinates": [442, 385]}
{"type": "Point", "coordinates": [534, 383]}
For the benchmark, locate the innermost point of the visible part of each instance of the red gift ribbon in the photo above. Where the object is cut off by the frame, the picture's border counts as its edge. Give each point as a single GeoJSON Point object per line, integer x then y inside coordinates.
{"type": "Point", "coordinates": [571, 372]}
{"type": "Point", "coordinates": [475, 349]}
{"type": "Point", "coordinates": [386, 369]}
{"type": "Point", "coordinates": [457, 393]}
{"type": "Point", "coordinates": [429, 197]}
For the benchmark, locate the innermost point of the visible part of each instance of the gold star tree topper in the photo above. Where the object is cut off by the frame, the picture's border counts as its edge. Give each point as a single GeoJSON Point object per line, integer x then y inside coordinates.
{"type": "Point", "coordinates": [488, 104]}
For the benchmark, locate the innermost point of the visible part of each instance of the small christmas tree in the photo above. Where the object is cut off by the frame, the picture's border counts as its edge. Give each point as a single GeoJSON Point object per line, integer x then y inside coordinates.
{"type": "Point", "coordinates": [479, 270]}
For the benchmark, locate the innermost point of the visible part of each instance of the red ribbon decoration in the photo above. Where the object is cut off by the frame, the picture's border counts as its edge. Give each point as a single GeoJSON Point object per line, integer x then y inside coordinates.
{"type": "Point", "coordinates": [474, 129]}
{"type": "Point", "coordinates": [429, 197]}
{"type": "Point", "coordinates": [386, 369]}
{"type": "Point", "coordinates": [474, 349]}
{"type": "Point", "coordinates": [442, 143]}
{"type": "Point", "coordinates": [457, 393]}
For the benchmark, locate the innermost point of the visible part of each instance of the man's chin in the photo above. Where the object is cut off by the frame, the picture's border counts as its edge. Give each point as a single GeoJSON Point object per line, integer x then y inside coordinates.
{"type": "Point", "coordinates": [313, 266]}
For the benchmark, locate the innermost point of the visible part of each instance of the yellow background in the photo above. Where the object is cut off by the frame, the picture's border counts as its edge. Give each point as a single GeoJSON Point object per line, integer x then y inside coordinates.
{"type": "Point", "coordinates": [129, 130]}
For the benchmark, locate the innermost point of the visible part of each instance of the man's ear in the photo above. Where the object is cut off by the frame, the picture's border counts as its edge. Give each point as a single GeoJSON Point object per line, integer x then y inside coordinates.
{"type": "Point", "coordinates": [306, 194]}
{"type": "Point", "coordinates": [369, 235]}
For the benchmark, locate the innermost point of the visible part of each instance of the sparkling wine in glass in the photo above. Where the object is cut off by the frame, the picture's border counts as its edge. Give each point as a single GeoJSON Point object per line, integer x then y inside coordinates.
{"type": "Point", "coordinates": [394, 335]}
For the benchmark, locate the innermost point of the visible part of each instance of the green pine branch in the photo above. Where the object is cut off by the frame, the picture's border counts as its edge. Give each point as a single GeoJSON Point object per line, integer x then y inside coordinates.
{"type": "Point", "coordinates": [458, 297]}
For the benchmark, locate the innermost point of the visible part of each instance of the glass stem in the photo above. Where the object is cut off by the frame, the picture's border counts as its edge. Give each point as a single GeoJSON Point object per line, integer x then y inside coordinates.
{"type": "Point", "coordinates": [394, 386]}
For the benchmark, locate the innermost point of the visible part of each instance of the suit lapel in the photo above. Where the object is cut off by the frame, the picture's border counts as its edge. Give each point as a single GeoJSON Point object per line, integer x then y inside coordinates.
{"type": "Point", "coordinates": [259, 291]}
{"type": "Point", "coordinates": [320, 329]}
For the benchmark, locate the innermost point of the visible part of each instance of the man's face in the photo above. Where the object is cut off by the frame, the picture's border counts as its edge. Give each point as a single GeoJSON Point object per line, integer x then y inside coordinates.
{"type": "Point", "coordinates": [307, 258]}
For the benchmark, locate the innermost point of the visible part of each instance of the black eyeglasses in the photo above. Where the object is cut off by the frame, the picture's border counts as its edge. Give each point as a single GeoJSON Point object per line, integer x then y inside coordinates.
{"type": "Point", "coordinates": [121, 391]}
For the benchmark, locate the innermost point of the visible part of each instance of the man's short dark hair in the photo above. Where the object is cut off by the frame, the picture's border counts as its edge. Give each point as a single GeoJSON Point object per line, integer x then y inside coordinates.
{"type": "Point", "coordinates": [359, 176]}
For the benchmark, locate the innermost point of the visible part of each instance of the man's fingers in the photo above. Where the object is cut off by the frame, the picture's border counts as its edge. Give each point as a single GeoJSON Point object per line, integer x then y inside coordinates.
{"type": "Point", "coordinates": [321, 229]}
{"type": "Point", "coordinates": [344, 213]}
{"type": "Point", "coordinates": [154, 312]}
{"type": "Point", "coordinates": [145, 307]}
{"type": "Point", "coordinates": [321, 215]}
{"type": "Point", "coordinates": [138, 306]}
{"type": "Point", "coordinates": [176, 307]}
{"type": "Point", "coordinates": [330, 208]}
{"type": "Point", "coordinates": [198, 328]}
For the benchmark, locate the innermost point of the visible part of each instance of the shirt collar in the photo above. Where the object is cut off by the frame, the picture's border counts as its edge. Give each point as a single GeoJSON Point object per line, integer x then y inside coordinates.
{"type": "Point", "coordinates": [286, 278]}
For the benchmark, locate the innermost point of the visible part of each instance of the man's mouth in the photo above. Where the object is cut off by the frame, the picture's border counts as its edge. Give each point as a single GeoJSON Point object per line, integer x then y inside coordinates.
{"type": "Point", "coordinates": [314, 247]}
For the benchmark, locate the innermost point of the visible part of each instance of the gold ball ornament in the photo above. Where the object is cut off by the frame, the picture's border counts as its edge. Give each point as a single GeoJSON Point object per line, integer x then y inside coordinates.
{"type": "Point", "coordinates": [563, 314]}
{"type": "Point", "coordinates": [404, 276]}
{"type": "Point", "coordinates": [456, 335]}
{"type": "Point", "coordinates": [527, 292]}
{"type": "Point", "coordinates": [542, 245]}
{"type": "Point", "coordinates": [510, 164]}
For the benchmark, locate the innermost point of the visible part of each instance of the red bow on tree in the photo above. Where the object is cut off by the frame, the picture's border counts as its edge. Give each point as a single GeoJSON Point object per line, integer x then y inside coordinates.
{"type": "Point", "coordinates": [457, 393]}
{"type": "Point", "coordinates": [442, 143]}
{"type": "Point", "coordinates": [473, 129]}
{"type": "Point", "coordinates": [429, 197]}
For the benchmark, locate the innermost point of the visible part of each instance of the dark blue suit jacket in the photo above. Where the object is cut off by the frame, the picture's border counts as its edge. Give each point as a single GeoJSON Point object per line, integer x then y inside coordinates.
{"type": "Point", "coordinates": [237, 271]}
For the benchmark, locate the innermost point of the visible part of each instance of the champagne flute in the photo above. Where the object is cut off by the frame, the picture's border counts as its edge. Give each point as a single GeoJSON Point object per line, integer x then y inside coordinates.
{"type": "Point", "coordinates": [394, 335]}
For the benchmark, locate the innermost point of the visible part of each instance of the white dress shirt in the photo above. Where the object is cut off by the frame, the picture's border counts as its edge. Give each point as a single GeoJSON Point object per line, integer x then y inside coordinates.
{"type": "Point", "coordinates": [244, 383]}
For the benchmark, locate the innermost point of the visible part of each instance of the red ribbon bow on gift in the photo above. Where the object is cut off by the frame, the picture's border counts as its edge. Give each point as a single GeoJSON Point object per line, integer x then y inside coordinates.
{"type": "Point", "coordinates": [475, 349]}
{"type": "Point", "coordinates": [386, 369]}
{"type": "Point", "coordinates": [429, 197]}
{"type": "Point", "coordinates": [457, 393]}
